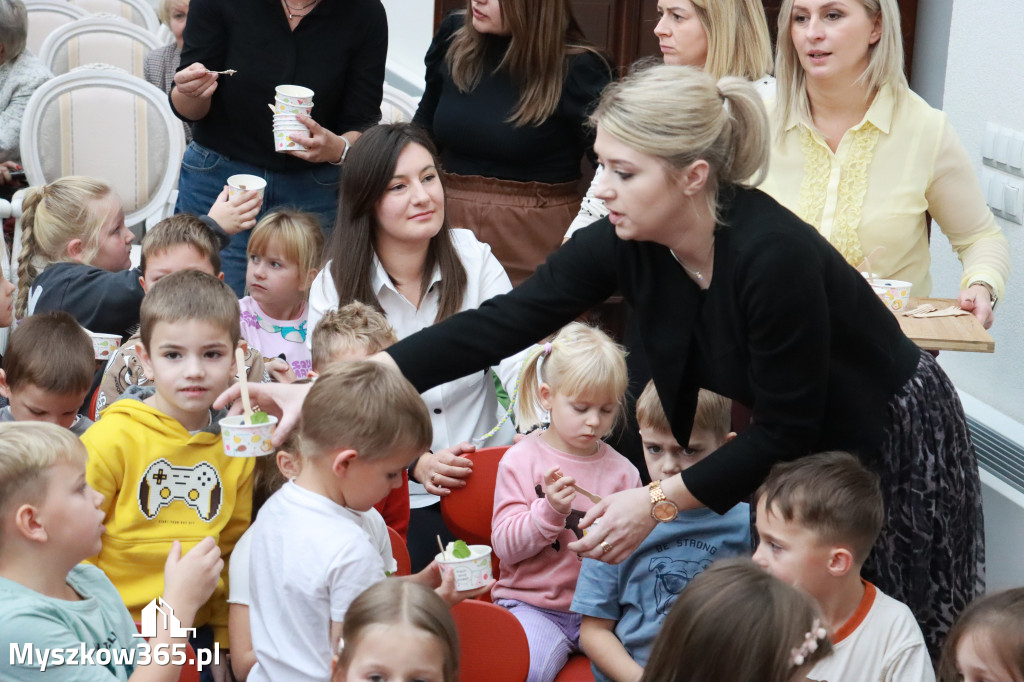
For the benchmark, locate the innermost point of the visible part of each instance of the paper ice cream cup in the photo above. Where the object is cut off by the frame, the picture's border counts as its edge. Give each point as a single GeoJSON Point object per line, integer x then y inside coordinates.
{"type": "Point", "coordinates": [239, 184]}
{"type": "Point", "coordinates": [470, 573]}
{"type": "Point", "coordinates": [291, 108]}
{"type": "Point", "coordinates": [246, 440]}
{"type": "Point", "coordinates": [894, 293]}
{"type": "Point", "coordinates": [294, 93]}
{"type": "Point", "coordinates": [104, 345]}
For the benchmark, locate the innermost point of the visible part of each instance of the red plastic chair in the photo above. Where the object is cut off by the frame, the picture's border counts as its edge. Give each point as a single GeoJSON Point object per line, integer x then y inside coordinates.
{"type": "Point", "coordinates": [577, 669]}
{"type": "Point", "coordinates": [467, 511]}
{"type": "Point", "coordinates": [400, 552]}
{"type": "Point", "coordinates": [492, 643]}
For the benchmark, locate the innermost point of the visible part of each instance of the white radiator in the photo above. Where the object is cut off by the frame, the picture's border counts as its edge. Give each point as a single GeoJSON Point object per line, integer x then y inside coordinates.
{"type": "Point", "coordinates": [999, 444]}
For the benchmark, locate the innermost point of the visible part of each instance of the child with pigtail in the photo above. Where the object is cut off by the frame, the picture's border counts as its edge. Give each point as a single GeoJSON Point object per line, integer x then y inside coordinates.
{"type": "Point", "coordinates": [579, 378]}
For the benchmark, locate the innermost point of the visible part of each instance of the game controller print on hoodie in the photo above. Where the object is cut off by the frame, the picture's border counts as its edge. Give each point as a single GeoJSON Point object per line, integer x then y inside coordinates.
{"type": "Point", "coordinates": [160, 484]}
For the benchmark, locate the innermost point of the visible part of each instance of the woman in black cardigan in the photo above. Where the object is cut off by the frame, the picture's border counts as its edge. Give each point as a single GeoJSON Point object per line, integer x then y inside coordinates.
{"type": "Point", "coordinates": [735, 294]}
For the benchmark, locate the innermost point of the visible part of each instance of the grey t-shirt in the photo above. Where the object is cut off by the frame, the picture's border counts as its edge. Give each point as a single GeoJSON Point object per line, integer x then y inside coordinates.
{"type": "Point", "coordinates": [38, 625]}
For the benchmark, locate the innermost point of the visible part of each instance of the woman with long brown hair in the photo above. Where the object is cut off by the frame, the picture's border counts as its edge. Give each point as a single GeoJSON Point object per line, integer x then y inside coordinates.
{"type": "Point", "coordinates": [509, 85]}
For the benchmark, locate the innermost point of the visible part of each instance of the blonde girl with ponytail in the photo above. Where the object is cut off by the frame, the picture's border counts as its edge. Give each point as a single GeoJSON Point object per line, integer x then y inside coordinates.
{"type": "Point", "coordinates": [735, 294]}
{"type": "Point", "coordinates": [578, 379]}
{"type": "Point", "coordinates": [75, 256]}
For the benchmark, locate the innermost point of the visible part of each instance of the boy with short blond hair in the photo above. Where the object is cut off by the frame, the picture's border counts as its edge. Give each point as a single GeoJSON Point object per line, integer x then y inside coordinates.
{"type": "Point", "coordinates": [351, 332]}
{"type": "Point", "coordinates": [624, 605]}
{"type": "Point", "coordinates": [54, 605]}
{"type": "Point", "coordinates": [156, 455]}
{"type": "Point", "coordinates": [355, 332]}
{"type": "Point", "coordinates": [181, 242]}
{"type": "Point", "coordinates": [362, 424]}
{"type": "Point", "coordinates": [47, 372]}
{"type": "Point", "coordinates": [818, 518]}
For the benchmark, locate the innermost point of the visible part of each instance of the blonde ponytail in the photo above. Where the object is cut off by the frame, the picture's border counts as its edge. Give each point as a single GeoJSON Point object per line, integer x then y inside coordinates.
{"type": "Point", "coordinates": [582, 362]}
{"type": "Point", "coordinates": [681, 115]}
{"type": "Point", "coordinates": [52, 216]}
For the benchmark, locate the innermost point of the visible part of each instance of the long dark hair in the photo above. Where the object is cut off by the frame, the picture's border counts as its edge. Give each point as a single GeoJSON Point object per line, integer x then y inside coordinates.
{"type": "Point", "coordinates": [368, 170]}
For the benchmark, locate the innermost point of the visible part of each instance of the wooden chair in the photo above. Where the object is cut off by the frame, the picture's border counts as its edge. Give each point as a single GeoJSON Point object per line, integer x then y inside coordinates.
{"type": "Point", "coordinates": [492, 643]}
{"type": "Point", "coordinates": [467, 511]}
{"type": "Point", "coordinates": [400, 552]}
{"type": "Point", "coordinates": [100, 39]}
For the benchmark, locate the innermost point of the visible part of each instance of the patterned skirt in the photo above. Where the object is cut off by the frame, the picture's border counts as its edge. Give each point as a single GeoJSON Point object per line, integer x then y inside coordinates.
{"type": "Point", "coordinates": [931, 552]}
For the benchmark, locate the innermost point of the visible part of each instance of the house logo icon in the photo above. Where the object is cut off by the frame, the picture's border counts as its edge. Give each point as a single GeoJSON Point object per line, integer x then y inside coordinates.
{"type": "Point", "coordinates": [159, 609]}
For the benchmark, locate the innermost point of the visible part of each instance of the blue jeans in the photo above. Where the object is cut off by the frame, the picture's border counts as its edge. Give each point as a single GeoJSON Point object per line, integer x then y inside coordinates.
{"type": "Point", "coordinates": [204, 173]}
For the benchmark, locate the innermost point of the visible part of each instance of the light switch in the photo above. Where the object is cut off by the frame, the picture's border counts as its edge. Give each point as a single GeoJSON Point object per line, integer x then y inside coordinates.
{"type": "Point", "coordinates": [1001, 151]}
{"type": "Point", "coordinates": [1017, 153]}
{"type": "Point", "coordinates": [988, 144]}
{"type": "Point", "coordinates": [992, 187]}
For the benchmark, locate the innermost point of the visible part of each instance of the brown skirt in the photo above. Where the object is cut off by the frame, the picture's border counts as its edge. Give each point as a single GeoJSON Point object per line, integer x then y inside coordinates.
{"type": "Point", "coordinates": [521, 221]}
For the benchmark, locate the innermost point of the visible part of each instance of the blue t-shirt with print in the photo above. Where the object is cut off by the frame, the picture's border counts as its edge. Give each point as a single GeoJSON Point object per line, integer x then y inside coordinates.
{"type": "Point", "coordinates": [639, 592]}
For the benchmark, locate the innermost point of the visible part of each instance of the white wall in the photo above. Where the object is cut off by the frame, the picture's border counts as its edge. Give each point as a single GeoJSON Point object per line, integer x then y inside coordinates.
{"type": "Point", "coordinates": [410, 28]}
{"type": "Point", "coordinates": [983, 83]}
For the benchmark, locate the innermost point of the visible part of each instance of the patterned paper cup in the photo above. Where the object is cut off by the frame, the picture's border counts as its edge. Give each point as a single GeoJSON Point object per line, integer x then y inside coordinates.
{"type": "Point", "coordinates": [104, 345]}
{"type": "Point", "coordinates": [470, 573]}
{"type": "Point", "coordinates": [246, 440]}
{"type": "Point", "coordinates": [894, 293]}
{"type": "Point", "coordinates": [283, 141]}
{"type": "Point", "coordinates": [296, 94]}
{"type": "Point", "coordinates": [282, 107]}
{"type": "Point", "coordinates": [237, 184]}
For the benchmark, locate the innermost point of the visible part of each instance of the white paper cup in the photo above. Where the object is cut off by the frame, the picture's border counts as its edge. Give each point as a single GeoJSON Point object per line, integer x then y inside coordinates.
{"type": "Point", "coordinates": [104, 345]}
{"type": "Point", "coordinates": [289, 108]}
{"type": "Point", "coordinates": [470, 573]}
{"type": "Point", "coordinates": [283, 141]}
{"type": "Point", "coordinates": [238, 184]}
{"type": "Point", "coordinates": [246, 440]}
{"type": "Point", "coordinates": [296, 93]}
{"type": "Point", "coordinates": [894, 293]}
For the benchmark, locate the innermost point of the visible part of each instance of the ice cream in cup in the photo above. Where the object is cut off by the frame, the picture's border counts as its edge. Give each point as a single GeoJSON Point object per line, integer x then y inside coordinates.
{"type": "Point", "coordinates": [104, 345]}
{"type": "Point", "coordinates": [239, 184]}
{"type": "Point", "coordinates": [471, 564]}
{"type": "Point", "coordinates": [895, 294]}
{"type": "Point", "coordinates": [243, 438]}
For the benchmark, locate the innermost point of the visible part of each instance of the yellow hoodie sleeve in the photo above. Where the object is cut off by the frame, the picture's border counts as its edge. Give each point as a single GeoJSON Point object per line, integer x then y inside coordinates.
{"type": "Point", "coordinates": [236, 526]}
{"type": "Point", "coordinates": [103, 471]}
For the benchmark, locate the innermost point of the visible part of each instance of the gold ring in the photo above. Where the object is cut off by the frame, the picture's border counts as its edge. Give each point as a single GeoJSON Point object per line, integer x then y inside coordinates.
{"type": "Point", "coordinates": [433, 478]}
{"type": "Point", "coordinates": [606, 547]}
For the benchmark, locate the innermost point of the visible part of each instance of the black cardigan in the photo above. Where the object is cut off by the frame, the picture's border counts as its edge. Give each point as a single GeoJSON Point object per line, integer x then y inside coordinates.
{"type": "Point", "coordinates": [786, 327]}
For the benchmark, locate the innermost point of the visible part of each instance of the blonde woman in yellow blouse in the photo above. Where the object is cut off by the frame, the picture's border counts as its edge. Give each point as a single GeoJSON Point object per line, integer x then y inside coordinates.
{"type": "Point", "coordinates": [861, 157]}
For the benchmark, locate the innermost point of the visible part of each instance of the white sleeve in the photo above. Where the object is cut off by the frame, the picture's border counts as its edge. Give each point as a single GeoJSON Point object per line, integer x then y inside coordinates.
{"type": "Point", "coordinates": [238, 570]}
{"type": "Point", "coordinates": [377, 528]}
{"type": "Point", "coordinates": [323, 298]}
{"type": "Point", "coordinates": [591, 209]}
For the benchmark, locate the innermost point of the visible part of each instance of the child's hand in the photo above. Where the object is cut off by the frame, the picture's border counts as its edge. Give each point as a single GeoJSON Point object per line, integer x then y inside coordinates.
{"type": "Point", "coordinates": [190, 580]}
{"type": "Point", "coordinates": [446, 590]}
{"type": "Point", "coordinates": [238, 213]}
{"type": "Point", "coordinates": [280, 370]}
{"type": "Point", "coordinates": [559, 490]}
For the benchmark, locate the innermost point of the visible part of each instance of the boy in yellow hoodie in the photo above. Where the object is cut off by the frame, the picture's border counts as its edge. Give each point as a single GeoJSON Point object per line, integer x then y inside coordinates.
{"type": "Point", "coordinates": [156, 454]}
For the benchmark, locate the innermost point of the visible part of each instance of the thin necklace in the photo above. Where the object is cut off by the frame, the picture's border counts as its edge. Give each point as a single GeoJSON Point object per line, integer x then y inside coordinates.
{"type": "Point", "coordinates": [292, 10]}
{"type": "Point", "coordinates": [696, 274]}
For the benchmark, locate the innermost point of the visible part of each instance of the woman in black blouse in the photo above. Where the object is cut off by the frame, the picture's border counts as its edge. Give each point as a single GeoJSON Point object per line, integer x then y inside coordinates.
{"type": "Point", "coordinates": [734, 293]}
{"type": "Point", "coordinates": [509, 86]}
{"type": "Point", "coordinates": [337, 49]}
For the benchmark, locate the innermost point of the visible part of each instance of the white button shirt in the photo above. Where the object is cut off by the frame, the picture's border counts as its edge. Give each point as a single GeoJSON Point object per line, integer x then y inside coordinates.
{"type": "Point", "coordinates": [462, 409]}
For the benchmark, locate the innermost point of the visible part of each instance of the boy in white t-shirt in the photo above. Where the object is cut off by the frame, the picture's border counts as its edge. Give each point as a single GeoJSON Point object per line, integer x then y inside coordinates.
{"type": "Point", "coordinates": [818, 518]}
{"type": "Point", "coordinates": [316, 542]}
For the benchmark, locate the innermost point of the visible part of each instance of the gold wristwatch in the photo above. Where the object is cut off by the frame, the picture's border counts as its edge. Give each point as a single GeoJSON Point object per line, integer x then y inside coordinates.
{"type": "Point", "coordinates": [662, 508]}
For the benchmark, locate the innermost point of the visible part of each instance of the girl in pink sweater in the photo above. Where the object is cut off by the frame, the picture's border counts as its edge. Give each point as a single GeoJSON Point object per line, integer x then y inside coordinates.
{"type": "Point", "coordinates": [579, 379]}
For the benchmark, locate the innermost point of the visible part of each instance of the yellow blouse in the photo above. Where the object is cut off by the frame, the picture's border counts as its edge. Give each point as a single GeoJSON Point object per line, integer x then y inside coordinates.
{"type": "Point", "coordinates": [901, 160]}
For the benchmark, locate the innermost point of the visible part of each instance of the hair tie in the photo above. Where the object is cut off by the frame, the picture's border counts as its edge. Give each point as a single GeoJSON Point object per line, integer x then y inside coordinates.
{"type": "Point", "coordinates": [547, 349]}
{"type": "Point", "coordinates": [341, 646]}
{"type": "Point", "coordinates": [810, 644]}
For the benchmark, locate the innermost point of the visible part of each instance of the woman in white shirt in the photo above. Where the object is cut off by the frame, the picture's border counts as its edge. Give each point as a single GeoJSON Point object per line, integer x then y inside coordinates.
{"type": "Point", "coordinates": [862, 158]}
{"type": "Point", "coordinates": [393, 248]}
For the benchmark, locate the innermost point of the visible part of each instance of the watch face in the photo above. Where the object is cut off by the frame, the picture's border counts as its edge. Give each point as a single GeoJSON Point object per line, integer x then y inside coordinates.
{"type": "Point", "coordinates": [664, 511]}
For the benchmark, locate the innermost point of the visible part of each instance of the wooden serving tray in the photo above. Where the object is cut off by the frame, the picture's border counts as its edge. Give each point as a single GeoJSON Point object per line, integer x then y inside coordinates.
{"type": "Point", "coordinates": [963, 332]}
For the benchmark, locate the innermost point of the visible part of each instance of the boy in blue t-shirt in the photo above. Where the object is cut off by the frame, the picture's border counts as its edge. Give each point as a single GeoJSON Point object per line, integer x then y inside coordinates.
{"type": "Point", "coordinates": [624, 605]}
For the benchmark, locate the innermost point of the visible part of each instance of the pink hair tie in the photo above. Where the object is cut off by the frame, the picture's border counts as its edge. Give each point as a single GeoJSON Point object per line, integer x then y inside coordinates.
{"type": "Point", "coordinates": [547, 348]}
